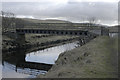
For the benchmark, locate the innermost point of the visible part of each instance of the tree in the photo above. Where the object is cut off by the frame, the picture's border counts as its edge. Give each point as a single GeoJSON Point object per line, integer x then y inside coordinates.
{"type": "Point", "coordinates": [92, 20]}
{"type": "Point", "coordinates": [8, 21]}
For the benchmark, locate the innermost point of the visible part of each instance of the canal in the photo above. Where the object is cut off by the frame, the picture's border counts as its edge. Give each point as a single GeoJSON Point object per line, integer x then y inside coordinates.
{"type": "Point", "coordinates": [10, 68]}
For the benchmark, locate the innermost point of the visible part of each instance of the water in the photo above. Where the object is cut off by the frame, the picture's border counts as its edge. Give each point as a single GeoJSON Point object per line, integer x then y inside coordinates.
{"type": "Point", "coordinates": [48, 56]}
{"type": "Point", "coordinates": [113, 34]}
{"type": "Point", "coordinates": [0, 71]}
{"type": "Point", "coordinates": [9, 71]}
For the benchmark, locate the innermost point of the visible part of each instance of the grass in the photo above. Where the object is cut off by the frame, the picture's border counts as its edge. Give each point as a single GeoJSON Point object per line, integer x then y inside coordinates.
{"type": "Point", "coordinates": [30, 39]}
{"type": "Point", "coordinates": [96, 59]}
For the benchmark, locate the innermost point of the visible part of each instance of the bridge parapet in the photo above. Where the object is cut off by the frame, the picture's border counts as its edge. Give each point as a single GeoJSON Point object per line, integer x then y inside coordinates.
{"type": "Point", "coordinates": [57, 32]}
{"type": "Point", "coordinates": [81, 33]}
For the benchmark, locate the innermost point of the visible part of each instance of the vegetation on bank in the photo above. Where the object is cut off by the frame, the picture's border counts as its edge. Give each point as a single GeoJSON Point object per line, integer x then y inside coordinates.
{"type": "Point", "coordinates": [39, 38]}
{"type": "Point", "coordinates": [34, 39]}
{"type": "Point", "coordinates": [96, 59]}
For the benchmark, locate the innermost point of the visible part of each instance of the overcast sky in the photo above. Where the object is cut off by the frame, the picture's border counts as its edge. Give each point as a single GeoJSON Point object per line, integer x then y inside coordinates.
{"type": "Point", "coordinates": [105, 11]}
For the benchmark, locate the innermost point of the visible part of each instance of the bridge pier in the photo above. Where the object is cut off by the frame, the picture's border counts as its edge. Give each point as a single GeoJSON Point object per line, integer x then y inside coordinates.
{"type": "Point", "coordinates": [104, 31]}
{"type": "Point", "coordinates": [20, 39]}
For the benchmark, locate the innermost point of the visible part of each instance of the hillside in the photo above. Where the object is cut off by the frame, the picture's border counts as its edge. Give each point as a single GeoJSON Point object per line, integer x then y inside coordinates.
{"type": "Point", "coordinates": [45, 21]}
{"type": "Point", "coordinates": [96, 59]}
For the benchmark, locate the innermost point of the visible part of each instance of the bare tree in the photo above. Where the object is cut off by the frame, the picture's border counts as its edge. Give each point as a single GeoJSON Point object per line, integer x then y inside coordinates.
{"type": "Point", "coordinates": [8, 20]}
{"type": "Point", "coordinates": [92, 20]}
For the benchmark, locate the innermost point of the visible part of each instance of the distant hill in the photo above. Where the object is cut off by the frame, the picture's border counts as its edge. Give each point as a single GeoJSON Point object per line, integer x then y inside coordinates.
{"type": "Point", "coordinates": [45, 21]}
{"type": "Point", "coordinates": [115, 26]}
{"type": "Point", "coordinates": [50, 23]}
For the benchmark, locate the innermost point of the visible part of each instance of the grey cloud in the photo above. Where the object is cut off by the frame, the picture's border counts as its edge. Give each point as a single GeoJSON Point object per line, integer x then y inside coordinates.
{"type": "Point", "coordinates": [99, 10]}
{"type": "Point", "coordinates": [105, 12]}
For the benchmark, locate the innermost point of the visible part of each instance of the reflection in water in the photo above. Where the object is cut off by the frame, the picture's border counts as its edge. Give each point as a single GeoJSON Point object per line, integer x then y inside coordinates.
{"type": "Point", "coordinates": [0, 71]}
{"type": "Point", "coordinates": [113, 34]}
{"type": "Point", "coordinates": [50, 55]}
{"type": "Point", "coordinates": [15, 66]}
{"type": "Point", "coordinates": [20, 65]}
{"type": "Point", "coordinates": [9, 71]}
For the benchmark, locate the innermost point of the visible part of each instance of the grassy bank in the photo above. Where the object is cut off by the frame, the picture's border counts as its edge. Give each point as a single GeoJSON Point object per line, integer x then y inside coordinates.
{"type": "Point", "coordinates": [32, 39]}
{"type": "Point", "coordinates": [36, 42]}
{"type": "Point", "coordinates": [96, 59]}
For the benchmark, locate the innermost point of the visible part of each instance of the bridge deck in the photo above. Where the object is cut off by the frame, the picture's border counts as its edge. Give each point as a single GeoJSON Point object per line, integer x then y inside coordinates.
{"type": "Point", "coordinates": [51, 31]}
